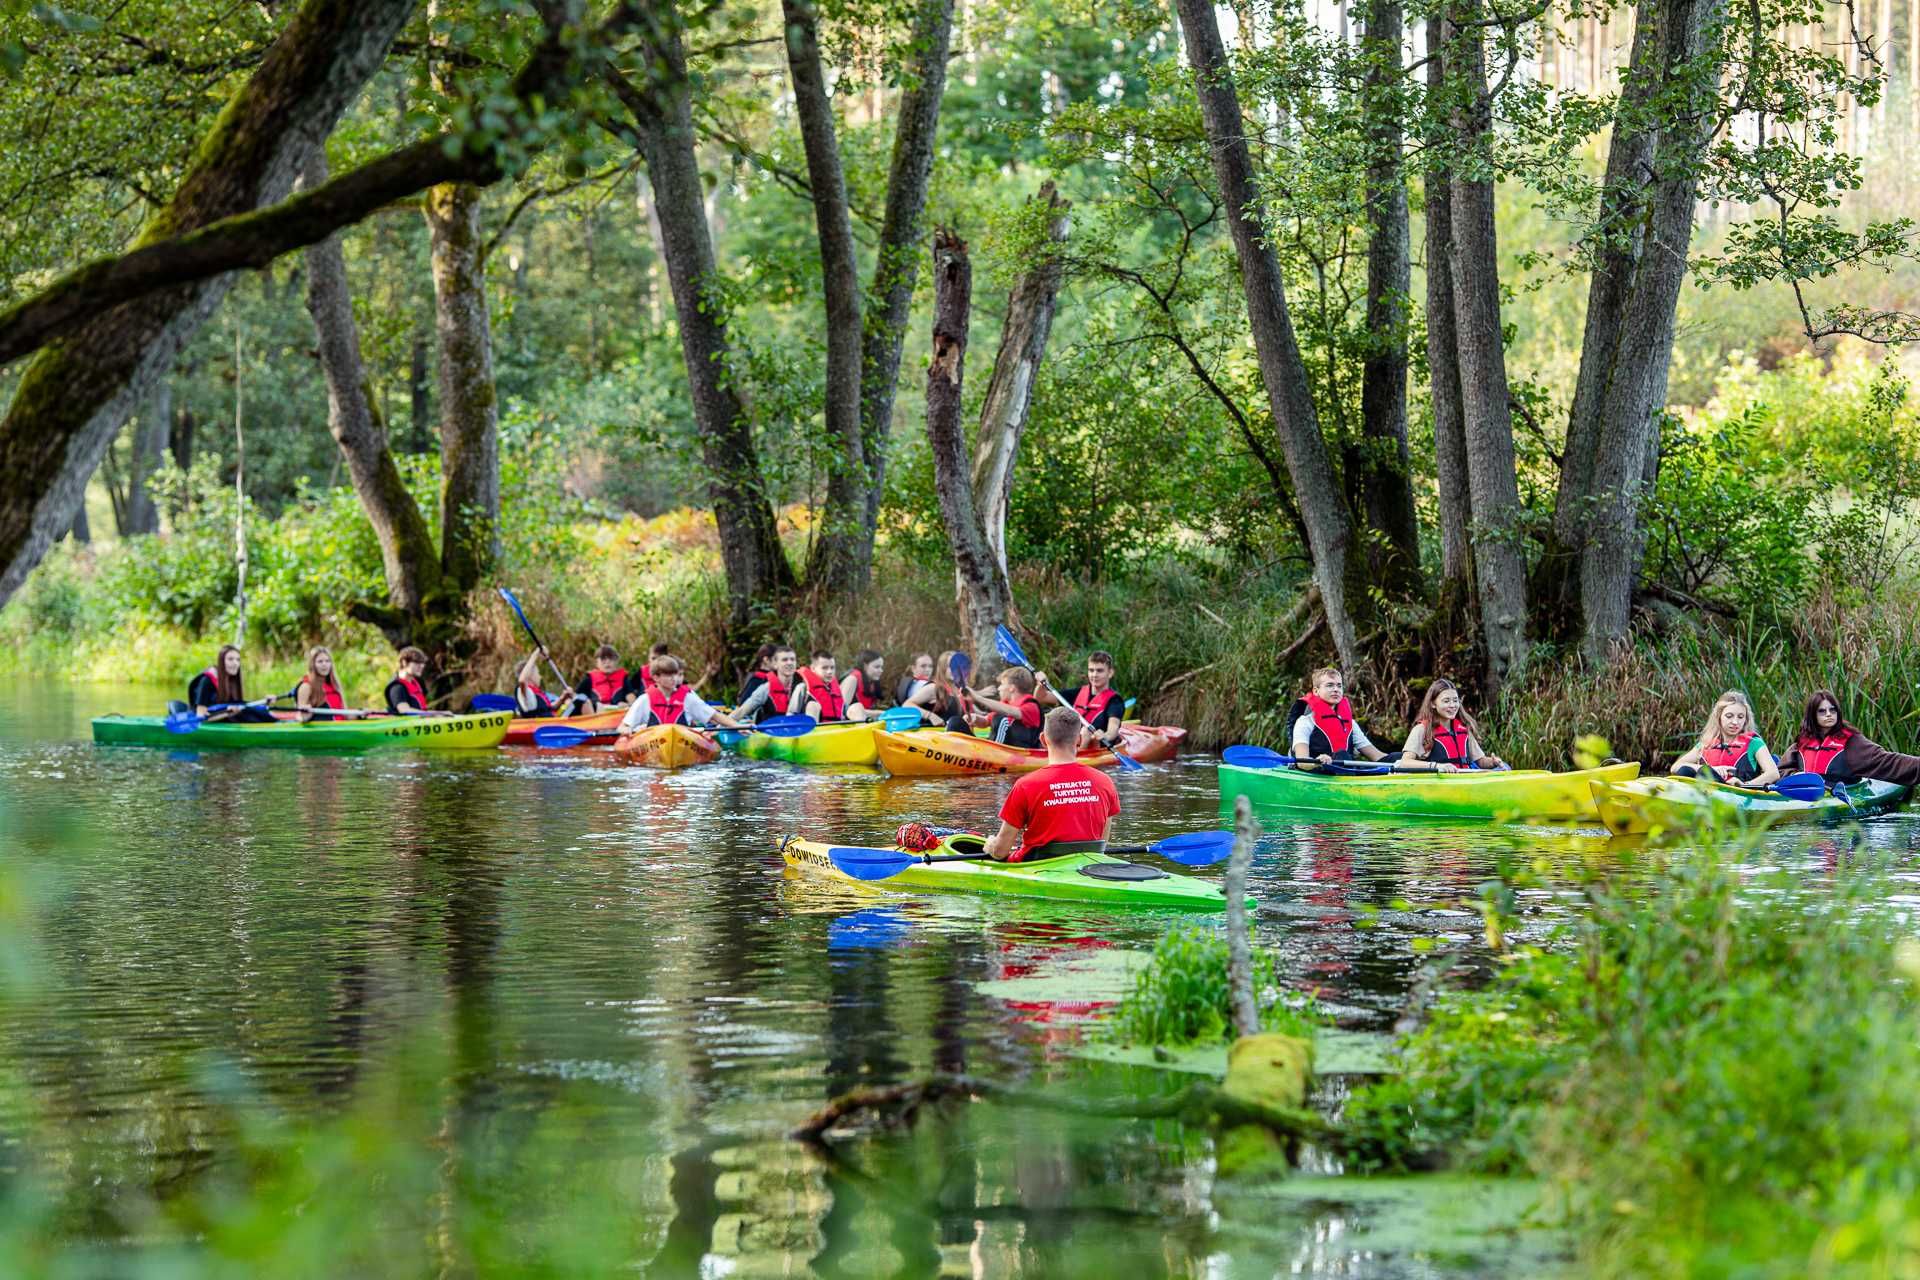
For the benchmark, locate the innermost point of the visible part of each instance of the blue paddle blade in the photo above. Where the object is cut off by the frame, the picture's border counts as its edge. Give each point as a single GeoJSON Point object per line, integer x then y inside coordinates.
{"type": "Point", "coordinates": [900, 719]}
{"type": "Point", "coordinates": [729, 737]}
{"type": "Point", "coordinates": [960, 666]}
{"type": "Point", "coordinates": [560, 735]}
{"type": "Point", "coordinates": [1008, 648]}
{"type": "Point", "coordinates": [870, 864]}
{"type": "Point", "coordinates": [1196, 848]}
{"type": "Point", "coordinates": [182, 723]}
{"type": "Point", "coordinates": [1255, 758]}
{"type": "Point", "coordinates": [1127, 763]}
{"type": "Point", "coordinates": [787, 726]}
{"type": "Point", "coordinates": [1802, 786]}
{"type": "Point", "coordinates": [493, 702]}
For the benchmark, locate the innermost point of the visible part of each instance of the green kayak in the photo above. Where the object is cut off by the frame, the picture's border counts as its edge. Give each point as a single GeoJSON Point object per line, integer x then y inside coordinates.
{"type": "Point", "coordinates": [1076, 877]}
{"type": "Point", "coordinates": [436, 733]}
{"type": "Point", "coordinates": [1633, 808]}
{"type": "Point", "coordinates": [1491, 795]}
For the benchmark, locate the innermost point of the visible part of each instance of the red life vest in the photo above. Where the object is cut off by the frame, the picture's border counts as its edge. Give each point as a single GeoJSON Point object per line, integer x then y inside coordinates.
{"type": "Point", "coordinates": [415, 692]}
{"type": "Point", "coordinates": [1450, 743]}
{"type": "Point", "coordinates": [1334, 722]}
{"type": "Point", "coordinates": [779, 696]}
{"type": "Point", "coordinates": [672, 710]}
{"type": "Point", "coordinates": [833, 706]}
{"type": "Point", "coordinates": [863, 691]}
{"type": "Point", "coordinates": [1090, 710]}
{"type": "Point", "coordinates": [329, 695]}
{"type": "Point", "coordinates": [1728, 755]}
{"type": "Point", "coordinates": [1818, 754]}
{"type": "Point", "coordinates": [608, 684]}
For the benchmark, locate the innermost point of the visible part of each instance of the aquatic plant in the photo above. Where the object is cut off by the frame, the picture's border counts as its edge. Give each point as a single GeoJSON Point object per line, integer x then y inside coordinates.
{"type": "Point", "coordinates": [1181, 995]}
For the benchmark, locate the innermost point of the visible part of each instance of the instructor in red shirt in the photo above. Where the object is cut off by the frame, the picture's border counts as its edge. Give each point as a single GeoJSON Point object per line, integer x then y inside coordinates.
{"type": "Point", "coordinates": [1063, 808]}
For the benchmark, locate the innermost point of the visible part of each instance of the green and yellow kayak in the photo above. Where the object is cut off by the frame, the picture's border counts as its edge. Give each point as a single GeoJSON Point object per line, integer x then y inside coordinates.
{"type": "Point", "coordinates": [848, 744]}
{"type": "Point", "coordinates": [436, 733]}
{"type": "Point", "coordinates": [1497, 795]}
{"type": "Point", "coordinates": [1644, 804]}
{"type": "Point", "coordinates": [1076, 877]}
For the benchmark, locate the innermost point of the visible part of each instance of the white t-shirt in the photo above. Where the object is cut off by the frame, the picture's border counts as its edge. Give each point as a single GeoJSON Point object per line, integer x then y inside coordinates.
{"type": "Point", "coordinates": [699, 713]}
{"type": "Point", "coordinates": [1303, 735]}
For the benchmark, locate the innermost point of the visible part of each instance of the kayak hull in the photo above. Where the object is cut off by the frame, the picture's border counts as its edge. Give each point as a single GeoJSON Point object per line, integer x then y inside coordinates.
{"type": "Point", "coordinates": [830, 744]}
{"type": "Point", "coordinates": [1061, 879]}
{"type": "Point", "coordinates": [941, 754]}
{"type": "Point", "coordinates": [1495, 795]}
{"type": "Point", "coordinates": [434, 733]}
{"type": "Point", "coordinates": [666, 746]}
{"type": "Point", "coordinates": [1642, 805]}
{"type": "Point", "coordinates": [520, 732]}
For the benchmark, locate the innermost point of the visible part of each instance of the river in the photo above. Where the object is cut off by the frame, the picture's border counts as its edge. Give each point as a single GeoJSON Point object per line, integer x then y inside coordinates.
{"type": "Point", "coordinates": [613, 1001]}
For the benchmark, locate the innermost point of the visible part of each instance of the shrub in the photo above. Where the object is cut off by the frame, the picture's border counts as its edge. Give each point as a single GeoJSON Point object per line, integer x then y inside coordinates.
{"type": "Point", "coordinates": [1181, 996]}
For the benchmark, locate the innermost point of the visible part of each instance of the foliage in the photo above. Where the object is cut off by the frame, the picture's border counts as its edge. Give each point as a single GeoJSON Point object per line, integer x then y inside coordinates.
{"type": "Point", "coordinates": [1181, 996]}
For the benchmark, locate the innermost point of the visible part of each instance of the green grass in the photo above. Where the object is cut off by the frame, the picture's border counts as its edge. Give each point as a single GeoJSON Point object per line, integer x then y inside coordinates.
{"type": "Point", "coordinates": [1181, 996]}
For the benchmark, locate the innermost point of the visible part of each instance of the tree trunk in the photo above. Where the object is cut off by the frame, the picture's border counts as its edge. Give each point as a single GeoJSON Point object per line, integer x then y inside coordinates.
{"type": "Point", "coordinates": [180, 440]}
{"type": "Point", "coordinates": [1499, 565]}
{"type": "Point", "coordinates": [149, 446]}
{"type": "Point", "coordinates": [1386, 478]}
{"type": "Point", "coordinates": [985, 600]}
{"type": "Point", "coordinates": [1322, 506]}
{"type": "Point", "coordinates": [897, 263]}
{"type": "Point", "coordinates": [419, 392]}
{"type": "Point", "coordinates": [79, 530]}
{"type": "Point", "coordinates": [758, 575]}
{"type": "Point", "coordinates": [1016, 366]}
{"type": "Point", "coordinates": [841, 556]}
{"type": "Point", "coordinates": [407, 553]}
{"type": "Point", "coordinates": [469, 413]}
{"type": "Point", "coordinates": [75, 396]}
{"type": "Point", "coordinates": [1443, 359]}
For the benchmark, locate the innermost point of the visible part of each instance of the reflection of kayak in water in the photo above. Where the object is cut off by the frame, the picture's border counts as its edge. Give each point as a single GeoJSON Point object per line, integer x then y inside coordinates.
{"type": "Point", "coordinates": [1498, 795]}
{"type": "Point", "coordinates": [1638, 806]}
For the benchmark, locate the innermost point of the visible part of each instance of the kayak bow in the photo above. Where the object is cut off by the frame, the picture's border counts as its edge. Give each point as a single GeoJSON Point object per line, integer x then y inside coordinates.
{"type": "Point", "coordinates": [1496, 795]}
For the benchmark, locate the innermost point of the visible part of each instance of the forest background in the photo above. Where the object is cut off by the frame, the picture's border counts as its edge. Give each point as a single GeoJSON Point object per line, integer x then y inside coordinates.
{"type": "Point", "coordinates": [1458, 202]}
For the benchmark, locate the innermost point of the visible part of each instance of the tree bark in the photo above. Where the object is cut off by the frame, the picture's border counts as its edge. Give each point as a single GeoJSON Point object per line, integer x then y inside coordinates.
{"type": "Point", "coordinates": [1016, 367]}
{"type": "Point", "coordinates": [1386, 476]}
{"type": "Point", "coordinates": [407, 553]}
{"type": "Point", "coordinates": [149, 446]}
{"type": "Point", "coordinates": [469, 412]}
{"type": "Point", "coordinates": [1322, 506]}
{"type": "Point", "coordinates": [419, 391]}
{"type": "Point", "coordinates": [180, 440]}
{"type": "Point", "coordinates": [1499, 565]}
{"type": "Point", "coordinates": [841, 557]}
{"type": "Point", "coordinates": [897, 263]}
{"type": "Point", "coordinates": [1443, 357]}
{"type": "Point", "coordinates": [758, 575]}
{"type": "Point", "coordinates": [74, 398]}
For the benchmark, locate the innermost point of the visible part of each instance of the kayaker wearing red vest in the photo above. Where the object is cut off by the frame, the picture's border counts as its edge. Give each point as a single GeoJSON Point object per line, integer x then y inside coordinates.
{"type": "Point", "coordinates": [1829, 746]}
{"type": "Point", "coordinates": [1730, 747]}
{"type": "Point", "coordinates": [1323, 727]}
{"type": "Point", "coordinates": [945, 701]}
{"type": "Point", "coordinates": [319, 689]}
{"type": "Point", "coordinates": [221, 685]}
{"type": "Point", "coordinates": [661, 649]}
{"type": "Point", "coordinates": [864, 689]}
{"type": "Point", "coordinates": [1097, 701]}
{"type": "Point", "coordinates": [919, 674]}
{"type": "Point", "coordinates": [668, 700]}
{"type": "Point", "coordinates": [528, 695]}
{"type": "Point", "coordinates": [822, 698]}
{"type": "Point", "coordinates": [608, 684]}
{"type": "Point", "coordinates": [1016, 712]}
{"type": "Point", "coordinates": [756, 672]}
{"type": "Point", "coordinates": [1444, 737]}
{"type": "Point", "coordinates": [407, 692]}
{"type": "Point", "coordinates": [1063, 808]}
{"type": "Point", "coordinates": [778, 692]}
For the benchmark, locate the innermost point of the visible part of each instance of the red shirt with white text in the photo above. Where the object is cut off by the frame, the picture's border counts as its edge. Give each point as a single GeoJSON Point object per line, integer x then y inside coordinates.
{"type": "Point", "coordinates": [1059, 803]}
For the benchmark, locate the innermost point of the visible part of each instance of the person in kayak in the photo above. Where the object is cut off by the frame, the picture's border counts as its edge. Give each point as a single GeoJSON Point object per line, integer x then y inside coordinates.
{"type": "Point", "coordinates": [1323, 725]}
{"type": "Point", "coordinates": [528, 695]}
{"type": "Point", "coordinates": [821, 695]}
{"type": "Point", "coordinates": [778, 694]}
{"type": "Point", "coordinates": [1061, 809]}
{"type": "Point", "coordinates": [668, 700]}
{"type": "Point", "coordinates": [1829, 746]}
{"type": "Point", "coordinates": [863, 690]}
{"type": "Point", "coordinates": [1730, 749]}
{"type": "Point", "coordinates": [1097, 701]}
{"type": "Point", "coordinates": [221, 685]}
{"type": "Point", "coordinates": [919, 673]}
{"type": "Point", "coordinates": [757, 671]}
{"type": "Point", "coordinates": [1444, 737]}
{"type": "Point", "coordinates": [407, 691]}
{"type": "Point", "coordinates": [945, 700]}
{"type": "Point", "coordinates": [319, 689]}
{"type": "Point", "coordinates": [661, 649]}
{"type": "Point", "coordinates": [608, 685]}
{"type": "Point", "coordinates": [1016, 712]}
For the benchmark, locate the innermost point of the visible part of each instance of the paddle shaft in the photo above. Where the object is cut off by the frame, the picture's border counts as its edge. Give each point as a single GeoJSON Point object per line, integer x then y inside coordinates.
{"type": "Point", "coordinates": [566, 685]}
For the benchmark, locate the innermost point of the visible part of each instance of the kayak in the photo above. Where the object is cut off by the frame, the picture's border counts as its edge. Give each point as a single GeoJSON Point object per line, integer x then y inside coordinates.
{"type": "Point", "coordinates": [1491, 795]}
{"type": "Point", "coordinates": [1074, 877]}
{"type": "Point", "coordinates": [666, 746]}
{"type": "Point", "coordinates": [848, 744]}
{"type": "Point", "coordinates": [438, 733]}
{"type": "Point", "coordinates": [1632, 808]}
{"type": "Point", "coordinates": [520, 732]}
{"type": "Point", "coordinates": [942, 754]}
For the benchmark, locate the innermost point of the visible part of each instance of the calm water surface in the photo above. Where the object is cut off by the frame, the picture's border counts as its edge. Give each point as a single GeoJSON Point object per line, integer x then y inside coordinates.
{"type": "Point", "coordinates": [609, 979]}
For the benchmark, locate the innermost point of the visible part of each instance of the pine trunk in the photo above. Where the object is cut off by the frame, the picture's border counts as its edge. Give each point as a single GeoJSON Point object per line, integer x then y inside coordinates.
{"type": "Point", "coordinates": [469, 412]}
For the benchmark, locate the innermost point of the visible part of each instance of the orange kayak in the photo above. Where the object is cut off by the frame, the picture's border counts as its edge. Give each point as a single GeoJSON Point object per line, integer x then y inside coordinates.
{"type": "Point", "coordinates": [920, 754]}
{"type": "Point", "coordinates": [666, 746]}
{"type": "Point", "coordinates": [520, 732]}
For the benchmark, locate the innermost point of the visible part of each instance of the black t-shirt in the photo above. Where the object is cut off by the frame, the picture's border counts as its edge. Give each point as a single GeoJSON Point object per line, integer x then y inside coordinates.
{"type": "Point", "coordinates": [202, 693]}
{"type": "Point", "coordinates": [398, 696]}
{"type": "Point", "coordinates": [1113, 714]}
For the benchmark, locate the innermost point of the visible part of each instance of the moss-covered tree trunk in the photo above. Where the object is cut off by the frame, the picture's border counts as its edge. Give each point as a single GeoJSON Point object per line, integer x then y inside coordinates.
{"type": "Point", "coordinates": [469, 411]}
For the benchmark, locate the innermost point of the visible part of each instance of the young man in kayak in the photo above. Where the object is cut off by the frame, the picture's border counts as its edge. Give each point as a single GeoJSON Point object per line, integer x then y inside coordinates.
{"type": "Point", "coordinates": [863, 690]}
{"type": "Point", "coordinates": [1061, 809]}
{"type": "Point", "coordinates": [1016, 712]}
{"type": "Point", "coordinates": [1097, 702]}
{"type": "Point", "coordinates": [776, 695]}
{"type": "Point", "coordinates": [319, 689]}
{"type": "Point", "coordinates": [1829, 746]}
{"type": "Point", "coordinates": [221, 685]}
{"type": "Point", "coordinates": [407, 691]}
{"type": "Point", "coordinates": [1323, 725]}
{"type": "Point", "coordinates": [823, 699]}
{"type": "Point", "coordinates": [668, 700]}
{"type": "Point", "coordinates": [607, 685]}
{"type": "Point", "coordinates": [1444, 737]}
{"type": "Point", "coordinates": [1730, 749]}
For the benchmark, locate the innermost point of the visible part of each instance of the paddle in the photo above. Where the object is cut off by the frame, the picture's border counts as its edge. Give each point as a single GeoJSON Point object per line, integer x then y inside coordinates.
{"type": "Point", "coordinates": [786, 726]}
{"type": "Point", "coordinates": [566, 686]}
{"type": "Point", "coordinates": [1801, 786]}
{"type": "Point", "coordinates": [560, 735]}
{"type": "Point", "coordinates": [1009, 649]}
{"type": "Point", "coordinates": [493, 702]}
{"type": "Point", "coordinates": [1260, 758]}
{"type": "Point", "coordinates": [190, 721]}
{"type": "Point", "coordinates": [1194, 849]}
{"type": "Point", "coordinates": [900, 719]}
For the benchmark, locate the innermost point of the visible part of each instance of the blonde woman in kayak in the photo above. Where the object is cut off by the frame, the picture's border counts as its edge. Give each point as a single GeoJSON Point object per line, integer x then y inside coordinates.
{"type": "Point", "coordinates": [1730, 748]}
{"type": "Point", "coordinates": [319, 689]}
{"type": "Point", "coordinates": [1444, 737]}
